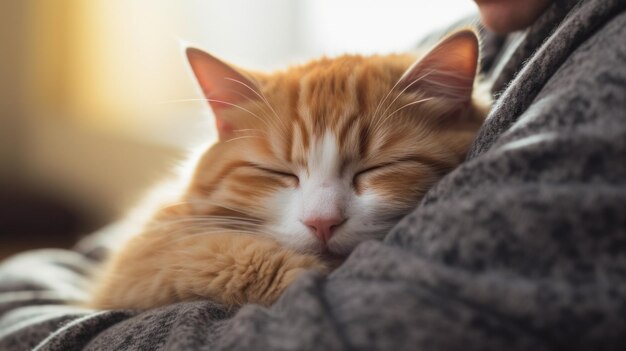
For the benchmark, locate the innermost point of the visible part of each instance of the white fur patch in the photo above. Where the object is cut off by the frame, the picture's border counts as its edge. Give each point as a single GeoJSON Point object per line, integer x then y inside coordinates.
{"type": "Point", "coordinates": [323, 189]}
{"type": "Point", "coordinates": [323, 192]}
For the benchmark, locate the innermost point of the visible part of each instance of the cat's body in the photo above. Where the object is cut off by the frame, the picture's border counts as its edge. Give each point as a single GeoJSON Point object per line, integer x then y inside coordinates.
{"type": "Point", "coordinates": [310, 162]}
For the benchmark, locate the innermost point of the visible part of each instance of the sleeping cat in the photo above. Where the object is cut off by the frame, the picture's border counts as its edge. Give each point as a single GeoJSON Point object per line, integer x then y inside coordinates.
{"type": "Point", "coordinates": [310, 162]}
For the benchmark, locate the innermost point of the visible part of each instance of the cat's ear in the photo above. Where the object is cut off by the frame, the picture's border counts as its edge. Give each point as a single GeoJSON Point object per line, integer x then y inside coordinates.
{"type": "Point", "coordinates": [448, 70]}
{"type": "Point", "coordinates": [223, 86]}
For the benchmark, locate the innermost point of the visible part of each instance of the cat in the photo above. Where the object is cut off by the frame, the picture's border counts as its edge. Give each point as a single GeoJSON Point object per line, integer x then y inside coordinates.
{"type": "Point", "coordinates": [309, 162]}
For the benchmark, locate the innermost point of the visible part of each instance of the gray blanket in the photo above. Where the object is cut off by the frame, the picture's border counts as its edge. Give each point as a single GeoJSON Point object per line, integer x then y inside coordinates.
{"type": "Point", "coordinates": [523, 247]}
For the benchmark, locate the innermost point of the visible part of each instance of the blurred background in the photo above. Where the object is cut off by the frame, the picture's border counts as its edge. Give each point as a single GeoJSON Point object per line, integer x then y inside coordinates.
{"type": "Point", "coordinates": [92, 92]}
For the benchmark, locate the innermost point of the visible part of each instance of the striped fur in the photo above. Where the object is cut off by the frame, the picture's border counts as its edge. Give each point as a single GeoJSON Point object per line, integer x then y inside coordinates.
{"type": "Point", "coordinates": [361, 136]}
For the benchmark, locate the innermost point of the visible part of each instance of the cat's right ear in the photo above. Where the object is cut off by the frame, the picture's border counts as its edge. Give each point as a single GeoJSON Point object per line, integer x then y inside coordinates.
{"type": "Point", "coordinates": [223, 86]}
{"type": "Point", "coordinates": [448, 70]}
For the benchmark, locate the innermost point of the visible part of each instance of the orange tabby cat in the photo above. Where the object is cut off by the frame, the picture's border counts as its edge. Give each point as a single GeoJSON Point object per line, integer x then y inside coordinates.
{"type": "Point", "coordinates": [310, 162]}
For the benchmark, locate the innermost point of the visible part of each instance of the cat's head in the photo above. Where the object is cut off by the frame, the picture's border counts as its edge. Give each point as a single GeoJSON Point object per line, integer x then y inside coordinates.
{"type": "Point", "coordinates": [334, 152]}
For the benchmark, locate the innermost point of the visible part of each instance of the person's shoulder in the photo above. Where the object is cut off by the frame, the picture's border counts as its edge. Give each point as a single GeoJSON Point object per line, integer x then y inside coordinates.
{"type": "Point", "coordinates": [491, 44]}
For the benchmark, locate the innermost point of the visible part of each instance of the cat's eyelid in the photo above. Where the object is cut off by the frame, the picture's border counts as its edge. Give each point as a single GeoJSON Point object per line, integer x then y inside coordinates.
{"type": "Point", "coordinates": [274, 171]}
{"type": "Point", "coordinates": [408, 158]}
{"type": "Point", "coordinates": [387, 164]}
{"type": "Point", "coordinates": [373, 168]}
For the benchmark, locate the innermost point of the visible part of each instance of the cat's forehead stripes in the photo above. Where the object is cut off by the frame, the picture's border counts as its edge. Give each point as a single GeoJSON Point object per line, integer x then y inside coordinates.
{"type": "Point", "coordinates": [347, 100]}
{"type": "Point", "coordinates": [337, 97]}
{"type": "Point", "coordinates": [326, 99]}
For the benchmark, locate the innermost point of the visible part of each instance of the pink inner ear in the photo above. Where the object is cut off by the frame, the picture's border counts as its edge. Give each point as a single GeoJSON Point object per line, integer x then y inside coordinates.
{"type": "Point", "coordinates": [448, 70]}
{"type": "Point", "coordinates": [223, 86]}
{"type": "Point", "coordinates": [223, 128]}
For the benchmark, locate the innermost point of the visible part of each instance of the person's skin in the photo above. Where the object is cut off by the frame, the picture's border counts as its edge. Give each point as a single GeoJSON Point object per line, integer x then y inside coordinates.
{"type": "Point", "coordinates": [503, 16]}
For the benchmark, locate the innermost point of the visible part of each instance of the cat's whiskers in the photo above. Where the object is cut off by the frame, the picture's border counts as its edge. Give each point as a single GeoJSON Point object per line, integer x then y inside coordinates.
{"type": "Point", "coordinates": [203, 224]}
{"type": "Point", "coordinates": [188, 218]}
{"type": "Point", "coordinates": [174, 227]}
{"type": "Point", "coordinates": [385, 98]}
{"type": "Point", "coordinates": [276, 122]}
{"type": "Point", "coordinates": [241, 108]}
{"type": "Point", "coordinates": [251, 130]}
{"type": "Point", "coordinates": [243, 137]}
{"type": "Point", "coordinates": [215, 100]}
{"type": "Point", "coordinates": [378, 119]}
{"type": "Point", "coordinates": [176, 101]}
{"type": "Point", "coordinates": [253, 133]}
{"type": "Point", "coordinates": [201, 201]}
{"type": "Point", "coordinates": [217, 224]}
{"type": "Point", "coordinates": [244, 217]}
{"type": "Point", "coordinates": [405, 89]}
{"type": "Point", "coordinates": [262, 97]}
{"type": "Point", "coordinates": [194, 232]}
{"type": "Point", "coordinates": [406, 105]}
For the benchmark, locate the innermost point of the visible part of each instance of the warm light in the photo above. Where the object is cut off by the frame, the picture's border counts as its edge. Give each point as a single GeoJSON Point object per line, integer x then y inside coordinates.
{"type": "Point", "coordinates": [121, 67]}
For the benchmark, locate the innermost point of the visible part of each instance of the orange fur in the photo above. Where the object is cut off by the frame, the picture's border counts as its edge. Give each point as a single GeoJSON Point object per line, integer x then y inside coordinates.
{"type": "Point", "coordinates": [217, 239]}
{"type": "Point", "coordinates": [231, 268]}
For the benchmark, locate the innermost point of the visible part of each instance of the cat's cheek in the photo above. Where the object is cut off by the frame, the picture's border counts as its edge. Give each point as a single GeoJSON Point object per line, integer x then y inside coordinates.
{"type": "Point", "coordinates": [369, 220]}
{"type": "Point", "coordinates": [391, 195]}
{"type": "Point", "coordinates": [285, 226]}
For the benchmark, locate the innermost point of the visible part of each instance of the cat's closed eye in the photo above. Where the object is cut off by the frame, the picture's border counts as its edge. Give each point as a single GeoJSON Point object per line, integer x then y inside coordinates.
{"type": "Point", "coordinates": [360, 174]}
{"type": "Point", "coordinates": [292, 178]}
{"type": "Point", "coordinates": [407, 160]}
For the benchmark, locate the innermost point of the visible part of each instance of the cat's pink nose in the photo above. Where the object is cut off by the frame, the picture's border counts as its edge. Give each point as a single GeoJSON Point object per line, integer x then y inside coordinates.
{"type": "Point", "coordinates": [324, 227]}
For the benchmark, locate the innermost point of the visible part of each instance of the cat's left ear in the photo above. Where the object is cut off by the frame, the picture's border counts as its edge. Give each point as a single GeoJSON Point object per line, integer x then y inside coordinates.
{"type": "Point", "coordinates": [446, 71]}
{"type": "Point", "coordinates": [223, 86]}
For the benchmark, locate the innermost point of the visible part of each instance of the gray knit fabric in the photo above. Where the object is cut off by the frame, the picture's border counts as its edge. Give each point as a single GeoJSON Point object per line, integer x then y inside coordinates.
{"type": "Point", "coordinates": [523, 247]}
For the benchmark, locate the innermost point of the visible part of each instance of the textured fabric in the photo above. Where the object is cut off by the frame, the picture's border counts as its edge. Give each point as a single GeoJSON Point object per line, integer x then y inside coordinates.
{"type": "Point", "coordinates": [522, 247]}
